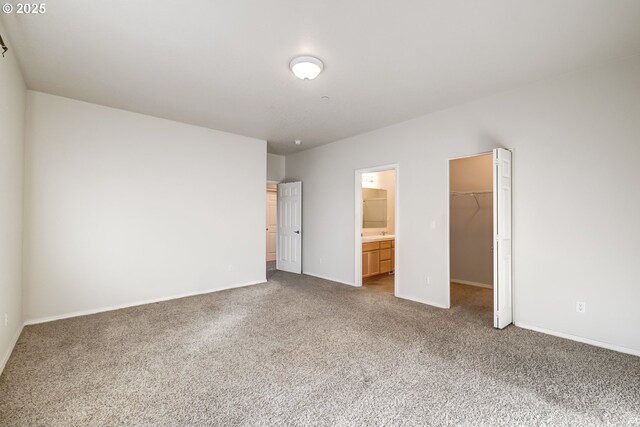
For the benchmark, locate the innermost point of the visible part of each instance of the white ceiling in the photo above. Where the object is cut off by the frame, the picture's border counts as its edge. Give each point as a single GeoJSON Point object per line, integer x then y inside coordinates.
{"type": "Point", "coordinates": [224, 64]}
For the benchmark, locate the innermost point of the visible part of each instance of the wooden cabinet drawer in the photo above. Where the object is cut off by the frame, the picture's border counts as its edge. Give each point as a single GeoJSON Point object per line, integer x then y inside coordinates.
{"type": "Point", "coordinates": [385, 254]}
{"type": "Point", "coordinates": [385, 266]}
{"type": "Point", "coordinates": [371, 246]}
{"type": "Point", "coordinates": [385, 244]}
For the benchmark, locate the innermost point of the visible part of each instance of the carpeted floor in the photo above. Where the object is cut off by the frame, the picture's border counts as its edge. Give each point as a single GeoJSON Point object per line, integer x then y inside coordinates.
{"type": "Point", "coordinates": [473, 300]}
{"type": "Point", "coordinates": [303, 351]}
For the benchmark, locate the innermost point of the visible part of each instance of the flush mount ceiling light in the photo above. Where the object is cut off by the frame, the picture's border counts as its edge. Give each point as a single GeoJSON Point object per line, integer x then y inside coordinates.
{"type": "Point", "coordinates": [297, 142]}
{"type": "Point", "coordinates": [306, 67]}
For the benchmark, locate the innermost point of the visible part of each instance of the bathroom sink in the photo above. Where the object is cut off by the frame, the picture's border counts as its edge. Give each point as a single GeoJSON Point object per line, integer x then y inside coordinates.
{"type": "Point", "coordinates": [377, 238]}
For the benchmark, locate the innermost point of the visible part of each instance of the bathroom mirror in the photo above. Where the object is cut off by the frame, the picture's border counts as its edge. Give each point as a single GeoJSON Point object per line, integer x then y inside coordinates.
{"type": "Point", "coordinates": [374, 208]}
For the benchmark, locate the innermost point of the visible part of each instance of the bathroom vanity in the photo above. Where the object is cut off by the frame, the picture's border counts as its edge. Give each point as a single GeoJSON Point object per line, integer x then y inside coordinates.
{"type": "Point", "coordinates": [378, 255]}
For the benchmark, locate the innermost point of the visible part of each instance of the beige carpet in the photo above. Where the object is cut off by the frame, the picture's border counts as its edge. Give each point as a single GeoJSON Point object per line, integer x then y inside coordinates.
{"type": "Point", "coordinates": [473, 300]}
{"type": "Point", "coordinates": [304, 351]}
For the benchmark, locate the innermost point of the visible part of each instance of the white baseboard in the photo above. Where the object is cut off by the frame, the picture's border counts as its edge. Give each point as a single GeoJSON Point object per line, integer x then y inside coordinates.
{"type": "Point", "coordinates": [319, 276]}
{"type": "Point", "coordinates": [580, 339]}
{"type": "Point", "coordinates": [7, 354]}
{"type": "Point", "coordinates": [467, 282]}
{"type": "Point", "coordinates": [134, 304]}
{"type": "Point", "coordinates": [422, 301]}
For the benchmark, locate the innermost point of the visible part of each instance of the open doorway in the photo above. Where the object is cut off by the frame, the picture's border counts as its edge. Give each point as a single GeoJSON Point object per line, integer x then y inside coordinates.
{"type": "Point", "coordinates": [272, 226]}
{"type": "Point", "coordinates": [480, 261]}
{"type": "Point", "coordinates": [376, 229]}
{"type": "Point", "coordinates": [471, 234]}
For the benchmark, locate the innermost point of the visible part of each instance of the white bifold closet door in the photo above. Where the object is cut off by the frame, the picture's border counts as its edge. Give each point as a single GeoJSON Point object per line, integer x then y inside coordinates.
{"type": "Point", "coordinates": [289, 250]}
{"type": "Point", "coordinates": [502, 276]}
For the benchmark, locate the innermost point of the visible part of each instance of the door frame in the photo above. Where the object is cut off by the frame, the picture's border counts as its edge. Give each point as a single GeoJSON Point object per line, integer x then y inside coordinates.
{"type": "Point", "coordinates": [358, 222]}
{"type": "Point", "coordinates": [273, 182]}
{"type": "Point", "coordinates": [274, 190]}
{"type": "Point", "coordinates": [448, 217]}
{"type": "Point", "coordinates": [448, 224]}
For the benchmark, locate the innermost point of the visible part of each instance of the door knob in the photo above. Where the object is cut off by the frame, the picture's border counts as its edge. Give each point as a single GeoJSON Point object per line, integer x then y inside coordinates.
{"type": "Point", "coordinates": [297, 231]}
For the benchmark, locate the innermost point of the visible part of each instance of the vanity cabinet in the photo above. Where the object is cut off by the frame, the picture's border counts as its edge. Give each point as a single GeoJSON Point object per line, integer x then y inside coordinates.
{"type": "Point", "coordinates": [378, 257]}
{"type": "Point", "coordinates": [370, 263]}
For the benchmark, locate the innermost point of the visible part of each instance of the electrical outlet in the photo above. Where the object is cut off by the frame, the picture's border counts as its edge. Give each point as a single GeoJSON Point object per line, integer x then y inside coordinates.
{"type": "Point", "coordinates": [320, 260]}
{"type": "Point", "coordinates": [428, 280]}
{"type": "Point", "coordinates": [581, 307]}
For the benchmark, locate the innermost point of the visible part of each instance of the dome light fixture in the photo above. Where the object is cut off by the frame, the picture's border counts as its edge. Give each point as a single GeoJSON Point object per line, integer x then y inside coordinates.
{"type": "Point", "coordinates": [306, 67]}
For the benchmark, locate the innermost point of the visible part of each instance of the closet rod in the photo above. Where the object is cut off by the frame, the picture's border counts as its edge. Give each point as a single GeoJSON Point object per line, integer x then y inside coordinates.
{"type": "Point", "coordinates": [471, 193]}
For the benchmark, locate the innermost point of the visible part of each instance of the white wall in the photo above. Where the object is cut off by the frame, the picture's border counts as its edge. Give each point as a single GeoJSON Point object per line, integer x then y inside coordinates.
{"type": "Point", "coordinates": [12, 106]}
{"type": "Point", "coordinates": [576, 198]}
{"type": "Point", "coordinates": [123, 208]}
{"type": "Point", "coordinates": [275, 167]}
{"type": "Point", "coordinates": [471, 222]}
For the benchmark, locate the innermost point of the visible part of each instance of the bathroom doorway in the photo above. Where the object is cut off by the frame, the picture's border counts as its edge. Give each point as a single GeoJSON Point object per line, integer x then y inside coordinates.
{"type": "Point", "coordinates": [271, 226]}
{"type": "Point", "coordinates": [376, 239]}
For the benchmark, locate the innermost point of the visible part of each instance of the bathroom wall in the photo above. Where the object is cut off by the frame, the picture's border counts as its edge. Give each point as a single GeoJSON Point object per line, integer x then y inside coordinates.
{"type": "Point", "coordinates": [471, 223]}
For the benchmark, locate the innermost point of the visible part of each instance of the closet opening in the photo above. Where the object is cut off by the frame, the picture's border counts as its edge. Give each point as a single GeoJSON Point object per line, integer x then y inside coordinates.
{"type": "Point", "coordinates": [471, 234]}
{"type": "Point", "coordinates": [480, 238]}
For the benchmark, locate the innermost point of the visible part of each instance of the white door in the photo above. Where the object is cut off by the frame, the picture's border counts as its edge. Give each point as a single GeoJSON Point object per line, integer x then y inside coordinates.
{"type": "Point", "coordinates": [272, 224]}
{"type": "Point", "coordinates": [502, 278]}
{"type": "Point", "coordinates": [290, 227]}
